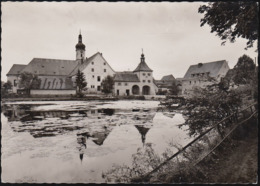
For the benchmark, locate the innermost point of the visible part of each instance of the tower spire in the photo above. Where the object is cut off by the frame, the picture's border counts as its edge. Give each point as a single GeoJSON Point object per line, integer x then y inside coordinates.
{"type": "Point", "coordinates": [142, 56]}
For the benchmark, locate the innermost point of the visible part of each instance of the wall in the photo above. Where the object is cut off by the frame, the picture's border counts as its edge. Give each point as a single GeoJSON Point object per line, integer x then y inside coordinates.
{"type": "Point", "coordinates": [11, 78]}
{"type": "Point", "coordinates": [98, 66]}
{"type": "Point", "coordinates": [52, 92]}
{"type": "Point", "coordinates": [129, 85]}
{"type": "Point", "coordinates": [53, 82]}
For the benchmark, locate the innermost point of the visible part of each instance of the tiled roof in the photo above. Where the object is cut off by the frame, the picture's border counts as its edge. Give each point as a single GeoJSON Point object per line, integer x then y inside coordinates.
{"type": "Point", "coordinates": [16, 69]}
{"type": "Point", "coordinates": [211, 67]}
{"type": "Point", "coordinates": [168, 78]}
{"type": "Point", "coordinates": [142, 67]}
{"type": "Point", "coordinates": [126, 77]}
{"type": "Point", "coordinates": [83, 65]}
{"type": "Point", "coordinates": [42, 66]}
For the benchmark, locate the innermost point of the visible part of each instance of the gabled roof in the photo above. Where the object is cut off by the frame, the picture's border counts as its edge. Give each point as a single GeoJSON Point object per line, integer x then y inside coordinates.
{"type": "Point", "coordinates": [211, 67]}
{"type": "Point", "coordinates": [143, 67]}
{"type": "Point", "coordinates": [42, 66]}
{"type": "Point", "coordinates": [16, 69]}
{"type": "Point", "coordinates": [126, 77]}
{"type": "Point", "coordinates": [86, 62]}
{"type": "Point", "coordinates": [83, 65]}
{"type": "Point", "coordinates": [168, 78]}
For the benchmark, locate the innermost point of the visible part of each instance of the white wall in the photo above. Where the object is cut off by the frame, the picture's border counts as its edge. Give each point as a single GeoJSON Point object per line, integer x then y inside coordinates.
{"type": "Point", "coordinates": [13, 78]}
{"type": "Point", "coordinates": [129, 85]}
{"type": "Point", "coordinates": [52, 92]}
{"type": "Point", "coordinates": [99, 65]}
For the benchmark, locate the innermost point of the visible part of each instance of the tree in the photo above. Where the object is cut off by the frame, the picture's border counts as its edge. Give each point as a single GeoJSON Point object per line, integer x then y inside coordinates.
{"type": "Point", "coordinates": [107, 84]}
{"type": "Point", "coordinates": [80, 82]}
{"type": "Point", "coordinates": [29, 81]}
{"type": "Point", "coordinates": [231, 20]}
{"type": "Point", "coordinates": [174, 89]}
{"type": "Point", "coordinates": [244, 70]}
{"type": "Point", "coordinates": [5, 87]}
{"type": "Point", "coordinates": [208, 106]}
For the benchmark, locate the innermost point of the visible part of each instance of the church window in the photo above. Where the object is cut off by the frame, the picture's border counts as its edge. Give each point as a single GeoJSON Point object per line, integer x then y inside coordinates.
{"type": "Point", "coordinates": [105, 70]}
{"type": "Point", "coordinates": [92, 69]}
{"type": "Point", "coordinates": [144, 81]}
{"type": "Point", "coordinates": [92, 63]}
{"type": "Point", "coordinates": [125, 84]}
{"type": "Point", "coordinates": [149, 81]}
{"type": "Point", "coordinates": [98, 88]}
{"type": "Point", "coordinates": [144, 74]}
{"type": "Point", "coordinates": [190, 82]}
{"type": "Point", "coordinates": [98, 78]}
{"type": "Point", "coordinates": [149, 74]}
{"type": "Point", "coordinates": [119, 84]}
{"type": "Point", "coordinates": [93, 76]}
{"type": "Point", "coordinates": [15, 83]}
{"type": "Point", "coordinates": [104, 63]}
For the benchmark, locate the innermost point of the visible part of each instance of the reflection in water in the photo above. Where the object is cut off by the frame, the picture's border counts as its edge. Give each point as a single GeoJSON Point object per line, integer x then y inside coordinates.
{"type": "Point", "coordinates": [82, 146]}
{"type": "Point", "coordinates": [80, 138]}
{"type": "Point", "coordinates": [142, 130]}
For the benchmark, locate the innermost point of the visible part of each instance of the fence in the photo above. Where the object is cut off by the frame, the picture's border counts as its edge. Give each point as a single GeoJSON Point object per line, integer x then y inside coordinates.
{"type": "Point", "coordinates": [253, 109]}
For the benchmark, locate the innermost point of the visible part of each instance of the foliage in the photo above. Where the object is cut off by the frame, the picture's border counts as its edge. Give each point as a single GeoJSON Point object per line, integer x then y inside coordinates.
{"type": "Point", "coordinates": [80, 82]}
{"type": "Point", "coordinates": [174, 89]}
{"type": "Point", "coordinates": [231, 20]}
{"type": "Point", "coordinates": [107, 84]}
{"type": "Point", "coordinates": [244, 70]}
{"type": "Point", "coordinates": [5, 88]}
{"type": "Point", "coordinates": [29, 81]}
{"type": "Point", "coordinates": [210, 105]}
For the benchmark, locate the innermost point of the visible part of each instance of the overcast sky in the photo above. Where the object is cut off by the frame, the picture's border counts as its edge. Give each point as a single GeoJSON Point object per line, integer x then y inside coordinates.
{"type": "Point", "coordinates": [169, 33]}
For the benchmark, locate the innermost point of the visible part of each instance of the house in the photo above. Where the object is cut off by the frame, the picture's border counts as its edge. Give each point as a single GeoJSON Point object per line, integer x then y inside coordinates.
{"type": "Point", "coordinates": [166, 83]}
{"type": "Point", "coordinates": [137, 82]}
{"type": "Point", "coordinates": [13, 76]}
{"type": "Point", "coordinates": [202, 74]}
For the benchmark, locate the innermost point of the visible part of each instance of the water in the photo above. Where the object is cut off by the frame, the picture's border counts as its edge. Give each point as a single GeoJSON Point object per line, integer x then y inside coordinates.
{"type": "Point", "coordinates": [75, 141]}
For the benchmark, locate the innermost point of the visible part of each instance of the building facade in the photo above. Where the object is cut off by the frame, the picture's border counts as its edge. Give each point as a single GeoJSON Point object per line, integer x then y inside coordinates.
{"type": "Point", "coordinates": [58, 76]}
{"type": "Point", "coordinates": [137, 82]}
{"type": "Point", "coordinates": [201, 75]}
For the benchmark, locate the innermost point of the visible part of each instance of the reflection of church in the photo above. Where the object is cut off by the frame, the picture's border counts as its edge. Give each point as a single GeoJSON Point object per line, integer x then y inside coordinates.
{"type": "Point", "coordinates": [143, 131]}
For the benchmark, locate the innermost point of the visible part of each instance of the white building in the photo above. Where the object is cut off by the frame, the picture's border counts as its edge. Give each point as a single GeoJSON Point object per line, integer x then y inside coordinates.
{"type": "Point", "coordinates": [138, 82]}
{"type": "Point", "coordinates": [58, 75]}
{"type": "Point", "coordinates": [202, 74]}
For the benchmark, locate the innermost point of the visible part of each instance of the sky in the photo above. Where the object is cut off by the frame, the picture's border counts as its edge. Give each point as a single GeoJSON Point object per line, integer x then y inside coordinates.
{"type": "Point", "coordinates": [168, 32]}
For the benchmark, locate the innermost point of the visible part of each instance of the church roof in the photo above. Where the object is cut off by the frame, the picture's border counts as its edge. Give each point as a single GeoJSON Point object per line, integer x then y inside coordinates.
{"type": "Point", "coordinates": [211, 67]}
{"type": "Point", "coordinates": [143, 67]}
{"type": "Point", "coordinates": [126, 77]}
{"type": "Point", "coordinates": [16, 69]}
{"type": "Point", "coordinates": [58, 67]}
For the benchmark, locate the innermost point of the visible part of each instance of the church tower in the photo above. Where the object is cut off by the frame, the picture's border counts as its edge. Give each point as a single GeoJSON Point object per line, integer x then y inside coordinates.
{"type": "Point", "coordinates": [80, 49]}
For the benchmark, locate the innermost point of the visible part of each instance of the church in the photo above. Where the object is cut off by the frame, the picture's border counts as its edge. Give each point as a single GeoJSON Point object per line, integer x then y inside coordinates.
{"type": "Point", "coordinates": [58, 75]}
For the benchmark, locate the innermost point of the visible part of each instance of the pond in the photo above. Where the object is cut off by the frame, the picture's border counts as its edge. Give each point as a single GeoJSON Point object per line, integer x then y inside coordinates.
{"type": "Point", "coordinates": [76, 141]}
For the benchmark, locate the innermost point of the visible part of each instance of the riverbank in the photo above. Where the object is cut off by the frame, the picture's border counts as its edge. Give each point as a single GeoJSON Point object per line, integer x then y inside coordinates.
{"type": "Point", "coordinates": [234, 161]}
